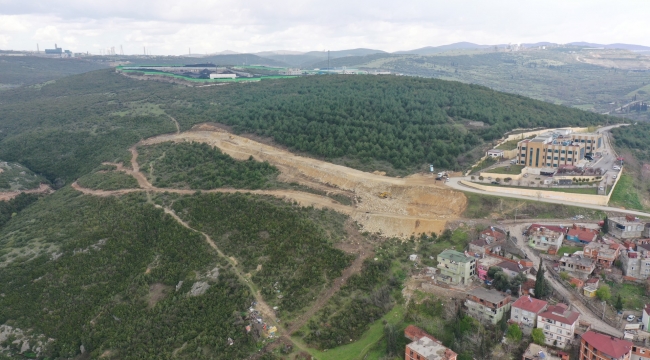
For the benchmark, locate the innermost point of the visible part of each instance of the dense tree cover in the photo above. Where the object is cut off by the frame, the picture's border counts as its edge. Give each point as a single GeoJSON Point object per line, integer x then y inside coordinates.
{"type": "Point", "coordinates": [201, 166]}
{"type": "Point", "coordinates": [502, 282]}
{"type": "Point", "coordinates": [366, 297]}
{"type": "Point", "coordinates": [65, 129]}
{"type": "Point", "coordinates": [15, 176]}
{"type": "Point", "coordinates": [27, 70]}
{"type": "Point", "coordinates": [294, 252]}
{"type": "Point", "coordinates": [108, 180]}
{"type": "Point", "coordinates": [97, 288]}
{"type": "Point", "coordinates": [11, 208]}
{"type": "Point", "coordinates": [542, 287]}
{"type": "Point", "coordinates": [634, 137]}
{"type": "Point", "coordinates": [401, 120]}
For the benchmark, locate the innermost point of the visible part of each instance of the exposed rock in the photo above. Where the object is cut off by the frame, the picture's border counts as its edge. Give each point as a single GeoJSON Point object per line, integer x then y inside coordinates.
{"type": "Point", "coordinates": [178, 286]}
{"type": "Point", "coordinates": [199, 288]}
{"type": "Point", "coordinates": [25, 346]}
{"type": "Point", "coordinates": [213, 274]}
{"type": "Point", "coordinates": [82, 349]}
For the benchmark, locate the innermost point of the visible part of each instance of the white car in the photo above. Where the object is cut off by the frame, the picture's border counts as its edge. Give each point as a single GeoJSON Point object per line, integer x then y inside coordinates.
{"type": "Point", "coordinates": [614, 177]}
{"type": "Point", "coordinates": [631, 318]}
{"type": "Point", "coordinates": [616, 168]}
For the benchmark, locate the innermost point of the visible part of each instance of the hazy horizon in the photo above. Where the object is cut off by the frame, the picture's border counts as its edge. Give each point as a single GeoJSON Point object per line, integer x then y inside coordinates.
{"type": "Point", "coordinates": [171, 28]}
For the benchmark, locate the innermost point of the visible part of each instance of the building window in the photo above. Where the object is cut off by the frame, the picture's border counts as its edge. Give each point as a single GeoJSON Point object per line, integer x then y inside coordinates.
{"type": "Point", "coordinates": [563, 152]}
{"type": "Point", "coordinates": [523, 148]}
{"type": "Point", "coordinates": [554, 165]}
{"type": "Point", "coordinates": [589, 141]}
{"type": "Point", "coordinates": [555, 158]}
{"type": "Point", "coordinates": [570, 152]}
{"type": "Point", "coordinates": [556, 151]}
{"type": "Point", "coordinates": [562, 159]}
{"type": "Point", "coordinates": [548, 157]}
{"type": "Point", "coordinates": [548, 164]}
{"type": "Point", "coordinates": [569, 159]}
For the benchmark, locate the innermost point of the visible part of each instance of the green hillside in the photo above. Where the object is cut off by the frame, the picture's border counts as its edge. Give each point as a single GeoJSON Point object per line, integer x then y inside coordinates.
{"type": "Point", "coordinates": [64, 130]}
{"type": "Point", "coordinates": [29, 70]}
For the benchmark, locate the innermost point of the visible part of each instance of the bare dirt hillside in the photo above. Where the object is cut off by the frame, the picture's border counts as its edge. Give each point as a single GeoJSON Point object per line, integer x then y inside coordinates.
{"type": "Point", "coordinates": [410, 205]}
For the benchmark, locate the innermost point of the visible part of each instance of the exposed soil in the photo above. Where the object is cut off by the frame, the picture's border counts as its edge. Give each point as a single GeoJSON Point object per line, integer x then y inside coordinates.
{"type": "Point", "coordinates": [157, 292]}
{"type": "Point", "coordinates": [43, 189]}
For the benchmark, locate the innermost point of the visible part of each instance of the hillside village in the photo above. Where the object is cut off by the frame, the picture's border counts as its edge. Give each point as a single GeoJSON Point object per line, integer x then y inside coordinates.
{"type": "Point", "coordinates": [498, 275]}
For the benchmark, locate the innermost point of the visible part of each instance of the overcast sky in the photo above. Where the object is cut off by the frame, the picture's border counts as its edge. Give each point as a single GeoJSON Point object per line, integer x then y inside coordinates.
{"type": "Point", "coordinates": [207, 26]}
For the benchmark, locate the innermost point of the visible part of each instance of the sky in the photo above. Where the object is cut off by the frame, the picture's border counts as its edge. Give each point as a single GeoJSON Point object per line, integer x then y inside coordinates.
{"type": "Point", "coordinates": [167, 27]}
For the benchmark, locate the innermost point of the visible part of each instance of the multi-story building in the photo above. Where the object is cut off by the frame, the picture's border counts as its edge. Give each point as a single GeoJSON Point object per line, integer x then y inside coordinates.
{"type": "Point", "coordinates": [525, 310]}
{"type": "Point", "coordinates": [581, 234]}
{"type": "Point", "coordinates": [425, 346]}
{"type": "Point", "coordinates": [597, 346]}
{"type": "Point", "coordinates": [578, 265]}
{"type": "Point", "coordinates": [487, 306]}
{"type": "Point", "coordinates": [552, 150]}
{"type": "Point", "coordinates": [636, 264]}
{"type": "Point", "coordinates": [558, 324]}
{"type": "Point", "coordinates": [645, 318]}
{"type": "Point", "coordinates": [604, 254]}
{"type": "Point", "coordinates": [625, 227]}
{"type": "Point", "coordinates": [536, 352]}
{"type": "Point", "coordinates": [542, 237]}
{"type": "Point", "coordinates": [456, 268]}
{"type": "Point", "coordinates": [491, 239]}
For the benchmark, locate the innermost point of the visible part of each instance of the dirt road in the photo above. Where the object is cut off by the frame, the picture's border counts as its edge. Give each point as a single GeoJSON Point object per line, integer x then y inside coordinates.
{"type": "Point", "coordinates": [42, 189]}
{"type": "Point", "coordinates": [585, 313]}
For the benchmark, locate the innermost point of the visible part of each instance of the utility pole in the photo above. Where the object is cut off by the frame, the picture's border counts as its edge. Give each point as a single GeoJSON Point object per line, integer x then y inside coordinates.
{"type": "Point", "coordinates": [328, 62]}
{"type": "Point", "coordinates": [604, 303]}
{"type": "Point", "coordinates": [38, 51]}
{"type": "Point", "coordinates": [516, 215]}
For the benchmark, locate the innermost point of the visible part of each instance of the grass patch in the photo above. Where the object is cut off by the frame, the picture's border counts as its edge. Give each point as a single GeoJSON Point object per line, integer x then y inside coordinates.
{"type": "Point", "coordinates": [625, 195]}
{"type": "Point", "coordinates": [489, 161]}
{"type": "Point", "coordinates": [509, 145]}
{"type": "Point", "coordinates": [508, 170]}
{"type": "Point", "coordinates": [634, 296]}
{"type": "Point", "coordinates": [569, 249]}
{"type": "Point", "coordinates": [481, 206]}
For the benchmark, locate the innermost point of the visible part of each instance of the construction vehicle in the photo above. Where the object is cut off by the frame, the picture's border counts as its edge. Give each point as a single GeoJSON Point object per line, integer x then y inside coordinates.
{"type": "Point", "coordinates": [384, 195]}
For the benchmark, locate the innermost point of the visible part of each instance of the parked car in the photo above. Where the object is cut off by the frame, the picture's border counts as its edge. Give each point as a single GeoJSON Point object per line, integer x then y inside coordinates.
{"type": "Point", "coordinates": [631, 318]}
{"type": "Point", "coordinates": [513, 161]}
{"type": "Point", "coordinates": [525, 175]}
{"type": "Point", "coordinates": [602, 188]}
{"type": "Point", "coordinates": [615, 167]}
{"type": "Point", "coordinates": [614, 177]}
{"type": "Point", "coordinates": [495, 183]}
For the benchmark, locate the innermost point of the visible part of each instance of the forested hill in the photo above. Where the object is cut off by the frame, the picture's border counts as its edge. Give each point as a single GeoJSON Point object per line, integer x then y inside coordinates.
{"type": "Point", "coordinates": [65, 129]}
{"type": "Point", "coordinates": [28, 70]}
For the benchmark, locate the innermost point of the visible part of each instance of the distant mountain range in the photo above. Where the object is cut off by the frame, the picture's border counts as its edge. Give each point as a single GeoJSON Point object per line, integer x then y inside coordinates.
{"type": "Point", "coordinates": [298, 58]}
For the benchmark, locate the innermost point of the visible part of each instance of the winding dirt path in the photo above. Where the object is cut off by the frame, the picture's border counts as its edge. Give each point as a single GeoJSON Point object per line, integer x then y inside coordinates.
{"type": "Point", "coordinates": [42, 189]}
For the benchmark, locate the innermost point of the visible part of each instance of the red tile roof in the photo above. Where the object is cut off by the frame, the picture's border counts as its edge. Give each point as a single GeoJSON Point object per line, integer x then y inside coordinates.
{"type": "Point", "coordinates": [550, 227]}
{"type": "Point", "coordinates": [493, 232]}
{"type": "Point", "coordinates": [531, 304]}
{"type": "Point", "coordinates": [415, 333]}
{"type": "Point", "coordinates": [561, 314]}
{"type": "Point", "coordinates": [608, 345]}
{"type": "Point", "coordinates": [586, 235]}
{"type": "Point", "coordinates": [592, 280]}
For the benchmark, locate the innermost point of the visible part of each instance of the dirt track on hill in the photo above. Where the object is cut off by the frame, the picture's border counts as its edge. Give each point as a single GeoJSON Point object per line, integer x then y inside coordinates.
{"type": "Point", "coordinates": [42, 189]}
{"type": "Point", "coordinates": [416, 203]}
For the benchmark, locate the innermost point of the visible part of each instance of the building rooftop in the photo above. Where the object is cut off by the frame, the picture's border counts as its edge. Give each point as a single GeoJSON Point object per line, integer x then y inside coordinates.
{"type": "Point", "coordinates": [512, 266]}
{"type": "Point", "coordinates": [530, 304]}
{"type": "Point", "coordinates": [583, 234]}
{"type": "Point", "coordinates": [535, 227]}
{"type": "Point", "coordinates": [414, 333]}
{"type": "Point", "coordinates": [431, 350]}
{"type": "Point", "coordinates": [453, 255]}
{"type": "Point", "coordinates": [491, 296]}
{"type": "Point", "coordinates": [488, 261]}
{"type": "Point", "coordinates": [607, 344]}
{"type": "Point", "coordinates": [561, 313]}
{"type": "Point", "coordinates": [535, 351]}
{"type": "Point", "coordinates": [578, 260]}
{"type": "Point", "coordinates": [625, 219]}
{"type": "Point", "coordinates": [492, 233]}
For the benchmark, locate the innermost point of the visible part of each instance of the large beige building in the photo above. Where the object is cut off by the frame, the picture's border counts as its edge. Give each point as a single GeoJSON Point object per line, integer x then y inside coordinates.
{"type": "Point", "coordinates": [456, 268]}
{"type": "Point", "coordinates": [554, 149]}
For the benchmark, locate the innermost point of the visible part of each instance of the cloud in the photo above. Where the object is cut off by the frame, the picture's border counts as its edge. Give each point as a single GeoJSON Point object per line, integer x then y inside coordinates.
{"type": "Point", "coordinates": [170, 26]}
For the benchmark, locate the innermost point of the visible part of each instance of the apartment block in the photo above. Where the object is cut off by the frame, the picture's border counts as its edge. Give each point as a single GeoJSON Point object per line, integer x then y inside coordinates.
{"type": "Point", "coordinates": [578, 265]}
{"type": "Point", "coordinates": [488, 306]}
{"type": "Point", "coordinates": [597, 346]}
{"type": "Point", "coordinates": [636, 264]}
{"type": "Point", "coordinates": [525, 310]}
{"type": "Point", "coordinates": [603, 253]}
{"type": "Point", "coordinates": [425, 346]}
{"type": "Point", "coordinates": [456, 268]}
{"type": "Point", "coordinates": [558, 324]}
{"type": "Point", "coordinates": [625, 227]}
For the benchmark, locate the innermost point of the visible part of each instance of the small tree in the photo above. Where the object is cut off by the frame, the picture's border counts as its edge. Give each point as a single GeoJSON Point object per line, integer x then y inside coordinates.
{"type": "Point", "coordinates": [605, 228]}
{"type": "Point", "coordinates": [473, 177]}
{"type": "Point", "coordinates": [564, 275]}
{"type": "Point", "coordinates": [541, 290]}
{"type": "Point", "coordinates": [507, 179]}
{"type": "Point", "coordinates": [514, 333]}
{"type": "Point", "coordinates": [481, 178]}
{"type": "Point", "coordinates": [497, 180]}
{"type": "Point", "coordinates": [619, 303]}
{"type": "Point", "coordinates": [603, 293]}
{"type": "Point", "coordinates": [538, 336]}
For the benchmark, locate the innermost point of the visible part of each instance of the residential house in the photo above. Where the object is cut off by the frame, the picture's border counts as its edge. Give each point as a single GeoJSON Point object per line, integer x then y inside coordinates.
{"type": "Point", "coordinates": [513, 269]}
{"type": "Point", "coordinates": [645, 318]}
{"type": "Point", "coordinates": [487, 305]}
{"type": "Point", "coordinates": [604, 254]}
{"type": "Point", "coordinates": [577, 264]}
{"type": "Point", "coordinates": [456, 268]}
{"type": "Point", "coordinates": [542, 237]}
{"type": "Point", "coordinates": [636, 264]}
{"type": "Point", "coordinates": [491, 240]}
{"type": "Point", "coordinates": [591, 286]}
{"type": "Point", "coordinates": [581, 234]}
{"type": "Point", "coordinates": [525, 310]}
{"type": "Point", "coordinates": [536, 352]}
{"type": "Point", "coordinates": [597, 346]}
{"type": "Point", "coordinates": [625, 227]}
{"type": "Point", "coordinates": [558, 324]}
{"type": "Point", "coordinates": [425, 346]}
